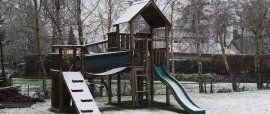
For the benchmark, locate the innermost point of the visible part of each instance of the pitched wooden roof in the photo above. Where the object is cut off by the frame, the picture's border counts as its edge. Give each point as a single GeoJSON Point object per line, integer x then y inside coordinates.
{"type": "Point", "coordinates": [148, 10]}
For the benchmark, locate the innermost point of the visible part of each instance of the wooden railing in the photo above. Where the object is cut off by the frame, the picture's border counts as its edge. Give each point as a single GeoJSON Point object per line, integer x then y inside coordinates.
{"type": "Point", "coordinates": [121, 41]}
{"type": "Point", "coordinates": [159, 56]}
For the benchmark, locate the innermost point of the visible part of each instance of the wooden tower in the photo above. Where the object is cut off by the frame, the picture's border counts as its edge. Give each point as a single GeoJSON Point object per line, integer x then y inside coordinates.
{"type": "Point", "coordinates": [141, 47]}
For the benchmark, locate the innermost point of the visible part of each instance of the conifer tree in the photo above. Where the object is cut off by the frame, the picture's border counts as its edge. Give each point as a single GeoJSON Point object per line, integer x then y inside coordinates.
{"type": "Point", "coordinates": [71, 37]}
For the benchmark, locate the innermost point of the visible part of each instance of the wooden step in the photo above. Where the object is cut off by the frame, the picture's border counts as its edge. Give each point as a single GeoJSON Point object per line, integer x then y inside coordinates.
{"type": "Point", "coordinates": [142, 91]}
{"type": "Point", "coordinates": [86, 110]}
{"type": "Point", "coordinates": [142, 75]}
{"type": "Point", "coordinates": [77, 90]}
{"type": "Point", "coordinates": [77, 81]}
{"type": "Point", "coordinates": [86, 100]}
{"type": "Point", "coordinates": [144, 84]}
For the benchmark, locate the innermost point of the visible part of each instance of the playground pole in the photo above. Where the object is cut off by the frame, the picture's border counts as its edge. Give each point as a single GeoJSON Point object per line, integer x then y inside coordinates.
{"type": "Point", "coordinates": [167, 61]}
{"type": "Point", "coordinates": [151, 70]}
{"type": "Point", "coordinates": [118, 88]}
{"type": "Point", "coordinates": [132, 45]}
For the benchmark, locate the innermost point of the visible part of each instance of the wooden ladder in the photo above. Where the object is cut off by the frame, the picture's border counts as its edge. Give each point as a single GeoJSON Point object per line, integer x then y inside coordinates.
{"type": "Point", "coordinates": [142, 80]}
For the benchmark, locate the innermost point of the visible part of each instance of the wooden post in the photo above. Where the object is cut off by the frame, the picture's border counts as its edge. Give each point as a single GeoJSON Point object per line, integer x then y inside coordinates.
{"type": "Point", "coordinates": [167, 61]}
{"type": "Point", "coordinates": [55, 81]}
{"type": "Point", "coordinates": [151, 70]}
{"type": "Point", "coordinates": [82, 61]}
{"type": "Point", "coordinates": [74, 59]}
{"type": "Point", "coordinates": [118, 37]}
{"type": "Point", "coordinates": [147, 70]}
{"type": "Point", "coordinates": [118, 88]}
{"type": "Point", "coordinates": [61, 105]}
{"type": "Point", "coordinates": [109, 79]}
{"type": "Point", "coordinates": [132, 45]}
{"type": "Point", "coordinates": [65, 97]}
{"type": "Point", "coordinates": [53, 49]}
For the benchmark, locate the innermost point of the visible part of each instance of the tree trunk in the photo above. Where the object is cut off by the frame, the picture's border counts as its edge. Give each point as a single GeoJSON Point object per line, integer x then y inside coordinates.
{"type": "Point", "coordinates": [196, 18]}
{"type": "Point", "coordinates": [60, 31]}
{"type": "Point", "coordinates": [109, 15]}
{"type": "Point", "coordinates": [3, 66]}
{"type": "Point", "coordinates": [257, 58]}
{"type": "Point", "coordinates": [79, 22]}
{"type": "Point", "coordinates": [41, 61]}
{"type": "Point", "coordinates": [58, 22]}
{"type": "Point", "coordinates": [242, 38]}
{"type": "Point", "coordinates": [228, 69]}
{"type": "Point", "coordinates": [172, 39]}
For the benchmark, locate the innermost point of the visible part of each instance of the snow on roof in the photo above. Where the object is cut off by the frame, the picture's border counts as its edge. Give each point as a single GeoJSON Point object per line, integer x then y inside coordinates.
{"type": "Point", "coordinates": [96, 43]}
{"type": "Point", "coordinates": [110, 72]}
{"type": "Point", "coordinates": [106, 53]}
{"type": "Point", "coordinates": [131, 12]}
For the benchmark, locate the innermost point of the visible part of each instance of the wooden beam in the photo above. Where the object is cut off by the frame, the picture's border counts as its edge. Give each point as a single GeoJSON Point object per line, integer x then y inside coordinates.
{"type": "Point", "coordinates": [167, 61]}
{"type": "Point", "coordinates": [67, 46]}
{"type": "Point", "coordinates": [118, 88]}
{"type": "Point", "coordinates": [61, 104]}
{"type": "Point", "coordinates": [151, 70]}
{"type": "Point", "coordinates": [132, 45]}
{"type": "Point", "coordinates": [74, 59]}
{"type": "Point", "coordinates": [118, 37]}
{"type": "Point", "coordinates": [82, 61]}
{"type": "Point", "coordinates": [105, 85]}
{"type": "Point", "coordinates": [109, 81]}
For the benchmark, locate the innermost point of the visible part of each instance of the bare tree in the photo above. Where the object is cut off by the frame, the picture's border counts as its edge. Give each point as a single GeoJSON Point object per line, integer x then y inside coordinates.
{"type": "Point", "coordinates": [172, 37]}
{"type": "Point", "coordinates": [58, 22]}
{"type": "Point", "coordinates": [221, 28]}
{"type": "Point", "coordinates": [79, 22]}
{"type": "Point", "coordinates": [255, 15]}
{"type": "Point", "coordinates": [37, 34]}
{"type": "Point", "coordinates": [109, 2]}
{"type": "Point", "coordinates": [197, 9]}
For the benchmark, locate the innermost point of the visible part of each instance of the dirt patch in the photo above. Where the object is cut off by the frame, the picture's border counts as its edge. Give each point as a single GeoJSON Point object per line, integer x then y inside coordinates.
{"type": "Point", "coordinates": [11, 98]}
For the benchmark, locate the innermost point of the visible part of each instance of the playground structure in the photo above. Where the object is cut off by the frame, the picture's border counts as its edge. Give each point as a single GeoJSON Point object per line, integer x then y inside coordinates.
{"type": "Point", "coordinates": [127, 52]}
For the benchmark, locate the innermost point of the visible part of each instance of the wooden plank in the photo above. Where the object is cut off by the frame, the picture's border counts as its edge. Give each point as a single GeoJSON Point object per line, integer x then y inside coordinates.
{"type": "Point", "coordinates": [81, 96]}
{"type": "Point", "coordinates": [67, 46]}
{"type": "Point", "coordinates": [133, 81]}
{"type": "Point", "coordinates": [86, 100]}
{"type": "Point", "coordinates": [167, 61]}
{"type": "Point", "coordinates": [10, 87]}
{"type": "Point", "coordinates": [151, 70]}
{"type": "Point", "coordinates": [77, 81]}
{"type": "Point", "coordinates": [74, 59]}
{"type": "Point", "coordinates": [109, 81]}
{"type": "Point", "coordinates": [82, 61]}
{"type": "Point", "coordinates": [118, 88]}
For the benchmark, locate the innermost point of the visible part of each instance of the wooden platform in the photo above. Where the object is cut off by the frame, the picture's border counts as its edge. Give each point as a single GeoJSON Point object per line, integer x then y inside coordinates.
{"type": "Point", "coordinates": [81, 96]}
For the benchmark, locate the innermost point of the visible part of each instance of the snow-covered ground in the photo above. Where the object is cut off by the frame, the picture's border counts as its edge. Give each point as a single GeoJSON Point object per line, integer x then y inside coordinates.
{"type": "Point", "coordinates": [248, 102]}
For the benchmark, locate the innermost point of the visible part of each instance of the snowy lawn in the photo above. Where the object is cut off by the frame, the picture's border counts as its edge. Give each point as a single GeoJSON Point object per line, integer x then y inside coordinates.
{"type": "Point", "coordinates": [247, 102]}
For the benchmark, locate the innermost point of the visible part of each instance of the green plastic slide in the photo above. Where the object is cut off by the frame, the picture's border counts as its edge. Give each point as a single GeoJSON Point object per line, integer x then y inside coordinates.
{"type": "Point", "coordinates": [177, 90]}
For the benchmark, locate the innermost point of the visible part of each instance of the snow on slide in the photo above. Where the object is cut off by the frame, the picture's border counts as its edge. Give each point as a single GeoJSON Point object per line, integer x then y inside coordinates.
{"type": "Point", "coordinates": [177, 90]}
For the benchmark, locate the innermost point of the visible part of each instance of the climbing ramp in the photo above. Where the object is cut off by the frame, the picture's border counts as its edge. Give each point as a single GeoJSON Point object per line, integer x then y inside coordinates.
{"type": "Point", "coordinates": [81, 96]}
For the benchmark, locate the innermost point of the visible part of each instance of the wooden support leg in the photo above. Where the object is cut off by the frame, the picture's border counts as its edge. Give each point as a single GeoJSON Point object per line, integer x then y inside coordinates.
{"type": "Point", "coordinates": [152, 88]}
{"type": "Point", "coordinates": [167, 96]}
{"type": "Point", "coordinates": [109, 88]}
{"type": "Point", "coordinates": [118, 88]}
{"type": "Point", "coordinates": [101, 88]}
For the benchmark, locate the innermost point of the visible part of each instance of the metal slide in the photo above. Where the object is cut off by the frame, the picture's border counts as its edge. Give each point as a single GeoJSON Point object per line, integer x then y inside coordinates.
{"type": "Point", "coordinates": [177, 90]}
{"type": "Point", "coordinates": [83, 99]}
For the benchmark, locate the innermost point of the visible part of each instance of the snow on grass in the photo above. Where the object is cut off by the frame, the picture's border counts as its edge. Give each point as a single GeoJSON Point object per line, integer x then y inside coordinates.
{"type": "Point", "coordinates": [247, 102]}
{"type": "Point", "coordinates": [142, 111]}
{"type": "Point", "coordinates": [38, 108]}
